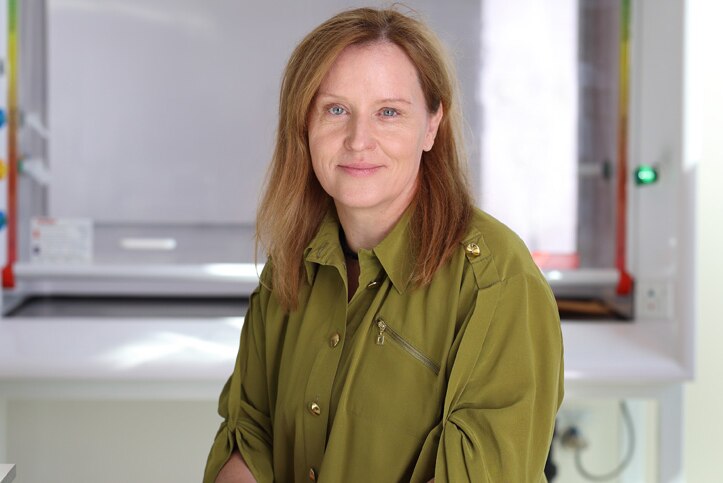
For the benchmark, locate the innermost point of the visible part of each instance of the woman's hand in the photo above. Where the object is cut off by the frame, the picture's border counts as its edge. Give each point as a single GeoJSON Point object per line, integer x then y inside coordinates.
{"type": "Point", "coordinates": [235, 471]}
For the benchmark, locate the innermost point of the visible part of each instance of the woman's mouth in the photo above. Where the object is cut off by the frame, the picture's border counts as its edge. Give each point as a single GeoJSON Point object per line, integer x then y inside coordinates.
{"type": "Point", "coordinates": [360, 169]}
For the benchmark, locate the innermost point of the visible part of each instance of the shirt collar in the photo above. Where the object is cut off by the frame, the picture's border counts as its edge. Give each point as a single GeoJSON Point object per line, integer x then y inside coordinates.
{"type": "Point", "coordinates": [395, 252]}
{"type": "Point", "coordinates": [324, 248]}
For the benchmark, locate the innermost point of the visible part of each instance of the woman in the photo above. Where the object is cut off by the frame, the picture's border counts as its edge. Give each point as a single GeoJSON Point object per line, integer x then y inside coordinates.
{"type": "Point", "coordinates": [398, 333]}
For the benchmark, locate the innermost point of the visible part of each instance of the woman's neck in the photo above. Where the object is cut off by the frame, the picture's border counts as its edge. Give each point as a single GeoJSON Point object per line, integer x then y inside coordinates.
{"type": "Point", "coordinates": [366, 228]}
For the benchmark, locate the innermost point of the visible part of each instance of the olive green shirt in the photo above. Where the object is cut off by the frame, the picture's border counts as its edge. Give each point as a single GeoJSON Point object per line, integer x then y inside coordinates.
{"type": "Point", "coordinates": [459, 380]}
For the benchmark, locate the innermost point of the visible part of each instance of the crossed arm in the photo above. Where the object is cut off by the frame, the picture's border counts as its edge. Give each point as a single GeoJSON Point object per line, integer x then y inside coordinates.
{"type": "Point", "coordinates": [235, 471]}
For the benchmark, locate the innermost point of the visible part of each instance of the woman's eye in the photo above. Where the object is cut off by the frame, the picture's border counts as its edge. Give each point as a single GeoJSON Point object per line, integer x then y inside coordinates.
{"type": "Point", "coordinates": [389, 112]}
{"type": "Point", "coordinates": [336, 110]}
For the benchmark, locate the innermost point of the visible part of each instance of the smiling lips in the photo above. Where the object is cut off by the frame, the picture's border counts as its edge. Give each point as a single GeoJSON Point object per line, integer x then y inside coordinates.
{"type": "Point", "coordinates": [360, 169]}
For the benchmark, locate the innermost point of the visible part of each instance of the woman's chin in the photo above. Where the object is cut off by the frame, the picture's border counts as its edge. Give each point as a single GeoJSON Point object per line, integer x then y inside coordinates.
{"type": "Point", "coordinates": [356, 204]}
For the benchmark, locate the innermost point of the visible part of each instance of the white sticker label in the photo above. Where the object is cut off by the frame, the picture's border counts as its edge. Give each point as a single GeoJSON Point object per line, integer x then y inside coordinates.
{"type": "Point", "coordinates": [61, 240]}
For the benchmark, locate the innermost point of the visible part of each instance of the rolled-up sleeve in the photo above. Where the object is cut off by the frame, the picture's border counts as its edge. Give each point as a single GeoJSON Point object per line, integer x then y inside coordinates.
{"type": "Point", "coordinates": [244, 404]}
{"type": "Point", "coordinates": [505, 387]}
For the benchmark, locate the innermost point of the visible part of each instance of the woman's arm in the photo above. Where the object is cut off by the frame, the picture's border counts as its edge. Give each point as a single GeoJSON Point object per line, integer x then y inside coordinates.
{"type": "Point", "coordinates": [235, 471]}
{"type": "Point", "coordinates": [505, 387]}
{"type": "Point", "coordinates": [245, 407]}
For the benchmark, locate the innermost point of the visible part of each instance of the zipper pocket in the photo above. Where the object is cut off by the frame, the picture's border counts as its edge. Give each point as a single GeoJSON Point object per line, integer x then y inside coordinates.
{"type": "Point", "coordinates": [385, 330]}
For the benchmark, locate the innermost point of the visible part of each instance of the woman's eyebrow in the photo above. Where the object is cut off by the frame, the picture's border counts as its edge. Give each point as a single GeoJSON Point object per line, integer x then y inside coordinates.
{"type": "Point", "coordinates": [395, 99]}
{"type": "Point", "coordinates": [386, 100]}
{"type": "Point", "coordinates": [329, 94]}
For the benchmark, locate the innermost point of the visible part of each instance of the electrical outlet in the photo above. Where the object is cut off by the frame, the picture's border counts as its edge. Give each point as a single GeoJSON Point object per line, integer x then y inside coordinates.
{"type": "Point", "coordinates": [653, 300]}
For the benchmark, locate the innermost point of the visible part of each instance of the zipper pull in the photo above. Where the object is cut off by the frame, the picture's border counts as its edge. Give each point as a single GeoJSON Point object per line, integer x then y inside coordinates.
{"type": "Point", "coordinates": [382, 327]}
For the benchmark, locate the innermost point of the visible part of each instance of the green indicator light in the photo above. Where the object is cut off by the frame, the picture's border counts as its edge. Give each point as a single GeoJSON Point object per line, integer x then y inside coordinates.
{"type": "Point", "coordinates": [645, 175]}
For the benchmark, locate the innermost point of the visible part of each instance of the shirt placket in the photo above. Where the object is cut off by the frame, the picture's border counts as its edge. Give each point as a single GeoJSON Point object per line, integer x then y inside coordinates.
{"type": "Point", "coordinates": [318, 395]}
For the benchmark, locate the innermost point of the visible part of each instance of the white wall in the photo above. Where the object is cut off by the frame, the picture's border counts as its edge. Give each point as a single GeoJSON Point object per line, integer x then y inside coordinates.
{"type": "Point", "coordinates": [704, 397]}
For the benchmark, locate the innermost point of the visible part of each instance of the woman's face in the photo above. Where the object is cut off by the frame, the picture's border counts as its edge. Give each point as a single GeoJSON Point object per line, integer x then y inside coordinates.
{"type": "Point", "coordinates": [368, 126]}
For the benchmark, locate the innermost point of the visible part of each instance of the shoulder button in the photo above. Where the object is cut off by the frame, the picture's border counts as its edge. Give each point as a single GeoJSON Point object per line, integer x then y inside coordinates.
{"type": "Point", "coordinates": [472, 249]}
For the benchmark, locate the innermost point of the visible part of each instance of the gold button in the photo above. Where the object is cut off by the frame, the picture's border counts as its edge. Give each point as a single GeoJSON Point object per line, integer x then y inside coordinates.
{"type": "Point", "coordinates": [473, 249]}
{"type": "Point", "coordinates": [312, 474]}
{"type": "Point", "coordinates": [334, 339]}
{"type": "Point", "coordinates": [373, 284]}
{"type": "Point", "coordinates": [315, 409]}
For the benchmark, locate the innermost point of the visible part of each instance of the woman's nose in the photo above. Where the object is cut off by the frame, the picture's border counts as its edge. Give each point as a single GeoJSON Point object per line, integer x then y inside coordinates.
{"type": "Point", "coordinates": [360, 136]}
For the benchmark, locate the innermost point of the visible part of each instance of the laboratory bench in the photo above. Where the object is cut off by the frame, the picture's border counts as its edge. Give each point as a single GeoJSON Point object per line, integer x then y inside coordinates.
{"type": "Point", "coordinates": [7, 473]}
{"type": "Point", "coordinates": [144, 359]}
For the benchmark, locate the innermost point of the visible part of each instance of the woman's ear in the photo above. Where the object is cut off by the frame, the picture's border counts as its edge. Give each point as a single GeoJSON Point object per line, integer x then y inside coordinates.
{"type": "Point", "coordinates": [432, 126]}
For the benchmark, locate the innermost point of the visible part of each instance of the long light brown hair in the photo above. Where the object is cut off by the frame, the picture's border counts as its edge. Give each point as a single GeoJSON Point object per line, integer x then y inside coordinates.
{"type": "Point", "coordinates": [294, 202]}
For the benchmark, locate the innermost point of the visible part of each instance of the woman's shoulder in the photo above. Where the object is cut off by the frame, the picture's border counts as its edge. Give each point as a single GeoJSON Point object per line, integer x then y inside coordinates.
{"type": "Point", "coordinates": [267, 272]}
{"type": "Point", "coordinates": [496, 250]}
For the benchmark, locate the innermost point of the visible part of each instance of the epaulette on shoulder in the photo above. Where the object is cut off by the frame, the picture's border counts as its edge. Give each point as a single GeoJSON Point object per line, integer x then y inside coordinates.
{"type": "Point", "coordinates": [479, 257]}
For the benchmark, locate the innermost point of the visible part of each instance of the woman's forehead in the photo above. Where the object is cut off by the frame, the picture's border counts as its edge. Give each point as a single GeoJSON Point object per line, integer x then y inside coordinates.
{"type": "Point", "coordinates": [380, 68]}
